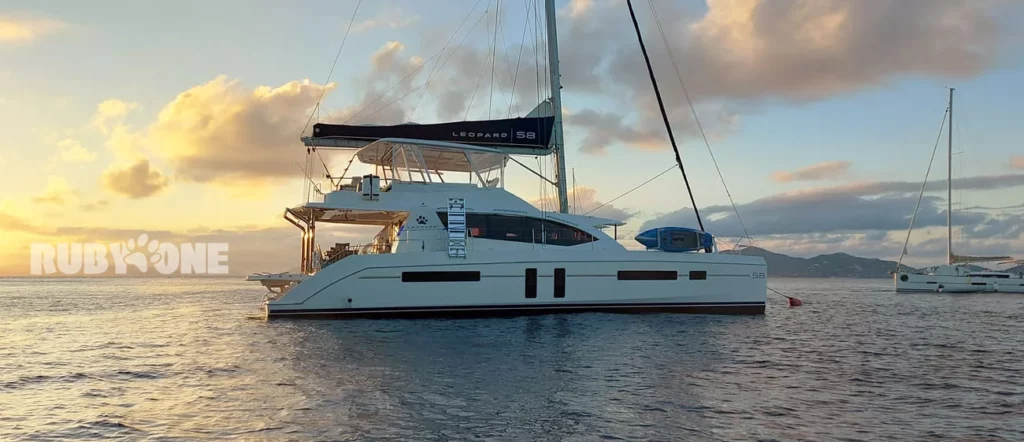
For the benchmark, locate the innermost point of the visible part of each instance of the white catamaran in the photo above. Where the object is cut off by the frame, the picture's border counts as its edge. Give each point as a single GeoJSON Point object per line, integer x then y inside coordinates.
{"type": "Point", "coordinates": [955, 276]}
{"type": "Point", "coordinates": [453, 241]}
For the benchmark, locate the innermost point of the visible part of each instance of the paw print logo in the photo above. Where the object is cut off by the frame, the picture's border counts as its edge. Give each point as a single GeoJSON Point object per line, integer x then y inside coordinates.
{"type": "Point", "coordinates": [421, 220]}
{"type": "Point", "coordinates": [136, 257]}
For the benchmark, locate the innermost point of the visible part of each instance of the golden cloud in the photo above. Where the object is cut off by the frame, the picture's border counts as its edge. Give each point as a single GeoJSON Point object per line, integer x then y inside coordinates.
{"type": "Point", "coordinates": [822, 171]}
{"type": "Point", "coordinates": [57, 192]}
{"type": "Point", "coordinates": [137, 180]}
{"type": "Point", "coordinates": [21, 29]}
{"type": "Point", "coordinates": [110, 112]}
{"type": "Point", "coordinates": [71, 151]}
{"type": "Point", "coordinates": [219, 132]}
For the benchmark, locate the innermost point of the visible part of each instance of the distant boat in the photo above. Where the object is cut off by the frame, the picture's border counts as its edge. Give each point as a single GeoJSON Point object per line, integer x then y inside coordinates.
{"type": "Point", "coordinates": [956, 276]}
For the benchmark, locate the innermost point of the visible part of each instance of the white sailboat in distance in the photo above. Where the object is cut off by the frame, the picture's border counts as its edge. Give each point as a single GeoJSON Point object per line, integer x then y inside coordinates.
{"type": "Point", "coordinates": [955, 276]}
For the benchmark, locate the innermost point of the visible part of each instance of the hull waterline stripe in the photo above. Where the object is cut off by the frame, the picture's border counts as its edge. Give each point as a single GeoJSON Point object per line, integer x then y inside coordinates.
{"type": "Point", "coordinates": [743, 308]}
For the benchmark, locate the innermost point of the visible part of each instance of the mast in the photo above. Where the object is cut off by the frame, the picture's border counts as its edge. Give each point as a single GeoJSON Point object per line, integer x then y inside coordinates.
{"type": "Point", "coordinates": [557, 140]}
{"type": "Point", "coordinates": [949, 186]}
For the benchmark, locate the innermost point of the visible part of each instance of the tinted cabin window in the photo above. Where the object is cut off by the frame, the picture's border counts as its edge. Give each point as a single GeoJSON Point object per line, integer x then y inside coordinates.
{"type": "Point", "coordinates": [521, 229]}
{"type": "Point", "coordinates": [531, 283]}
{"type": "Point", "coordinates": [647, 275]}
{"type": "Point", "coordinates": [440, 276]}
{"type": "Point", "coordinates": [559, 283]}
{"type": "Point", "coordinates": [699, 275]}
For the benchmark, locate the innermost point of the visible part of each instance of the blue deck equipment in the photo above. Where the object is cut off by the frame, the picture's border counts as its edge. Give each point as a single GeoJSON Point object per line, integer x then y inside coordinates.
{"type": "Point", "coordinates": [676, 239]}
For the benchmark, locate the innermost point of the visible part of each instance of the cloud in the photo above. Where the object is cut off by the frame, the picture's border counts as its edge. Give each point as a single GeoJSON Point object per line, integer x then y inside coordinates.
{"type": "Point", "coordinates": [393, 18]}
{"type": "Point", "coordinates": [95, 206]}
{"type": "Point", "coordinates": [23, 28]}
{"type": "Point", "coordinates": [57, 192]}
{"type": "Point", "coordinates": [576, 8]}
{"type": "Point", "coordinates": [858, 207]}
{"type": "Point", "coordinates": [137, 180]}
{"type": "Point", "coordinates": [743, 52]}
{"type": "Point", "coordinates": [220, 132]}
{"type": "Point", "coordinates": [391, 79]}
{"type": "Point", "coordinates": [827, 170]}
{"type": "Point", "coordinates": [811, 49]}
{"type": "Point", "coordinates": [71, 151]}
{"type": "Point", "coordinates": [605, 129]}
{"type": "Point", "coordinates": [109, 112]}
{"type": "Point", "coordinates": [14, 223]}
{"type": "Point", "coordinates": [583, 200]}
{"type": "Point", "coordinates": [1017, 162]}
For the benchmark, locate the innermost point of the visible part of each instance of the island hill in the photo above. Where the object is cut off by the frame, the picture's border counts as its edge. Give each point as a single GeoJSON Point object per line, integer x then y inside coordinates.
{"type": "Point", "coordinates": [833, 265]}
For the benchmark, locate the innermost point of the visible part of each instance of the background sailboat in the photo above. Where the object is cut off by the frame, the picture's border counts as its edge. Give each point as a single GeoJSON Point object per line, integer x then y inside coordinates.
{"type": "Point", "coordinates": [955, 276]}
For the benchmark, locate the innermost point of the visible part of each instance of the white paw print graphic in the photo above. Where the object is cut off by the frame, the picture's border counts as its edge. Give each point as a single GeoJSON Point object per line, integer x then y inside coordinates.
{"type": "Point", "coordinates": [138, 258]}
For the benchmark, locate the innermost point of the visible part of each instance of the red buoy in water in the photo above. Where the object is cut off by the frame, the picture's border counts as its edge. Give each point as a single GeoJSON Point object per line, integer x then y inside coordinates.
{"type": "Point", "coordinates": [793, 302]}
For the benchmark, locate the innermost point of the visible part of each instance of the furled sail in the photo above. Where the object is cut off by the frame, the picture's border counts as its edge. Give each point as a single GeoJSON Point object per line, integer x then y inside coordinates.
{"type": "Point", "coordinates": [529, 135]}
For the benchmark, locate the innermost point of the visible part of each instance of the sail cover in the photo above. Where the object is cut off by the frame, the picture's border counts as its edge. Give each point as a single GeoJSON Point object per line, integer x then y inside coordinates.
{"type": "Point", "coordinates": [531, 133]}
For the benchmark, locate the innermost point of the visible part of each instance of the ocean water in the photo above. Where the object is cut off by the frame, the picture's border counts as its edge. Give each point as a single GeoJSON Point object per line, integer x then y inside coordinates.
{"type": "Point", "coordinates": [188, 359]}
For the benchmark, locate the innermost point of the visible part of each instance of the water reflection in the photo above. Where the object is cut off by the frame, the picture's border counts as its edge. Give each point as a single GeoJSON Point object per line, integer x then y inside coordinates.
{"type": "Point", "coordinates": [179, 359]}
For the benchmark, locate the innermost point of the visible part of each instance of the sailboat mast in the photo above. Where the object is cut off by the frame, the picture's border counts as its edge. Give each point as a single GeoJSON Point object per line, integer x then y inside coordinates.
{"type": "Point", "coordinates": [557, 138]}
{"type": "Point", "coordinates": [949, 186]}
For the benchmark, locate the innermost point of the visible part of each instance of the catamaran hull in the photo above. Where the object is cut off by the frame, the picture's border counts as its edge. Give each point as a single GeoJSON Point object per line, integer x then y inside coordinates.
{"type": "Point", "coordinates": [910, 282]}
{"type": "Point", "coordinates": [501, 284]}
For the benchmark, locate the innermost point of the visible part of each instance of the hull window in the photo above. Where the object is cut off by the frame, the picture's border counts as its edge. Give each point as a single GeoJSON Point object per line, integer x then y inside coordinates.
{"type": "Point", "coordinates": [531, 283]}
{"type": "Point", "coordinates": [521, 229]}
{"type": "Point", "coordinates": [698, 275]}
{"type": "Point", "coordinates": [440, 276]}
{"type": "Point", "coordinates": [559, 283]}
{"type": "Point", "coordinates": [648, 275]}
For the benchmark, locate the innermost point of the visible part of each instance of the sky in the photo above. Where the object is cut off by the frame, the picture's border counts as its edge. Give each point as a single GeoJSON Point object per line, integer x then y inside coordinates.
{"type": "Point", "coordinates": [182, 119]}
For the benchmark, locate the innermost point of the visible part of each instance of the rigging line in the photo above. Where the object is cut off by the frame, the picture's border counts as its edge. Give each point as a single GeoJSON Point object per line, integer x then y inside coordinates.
{"type": "Point", "coordinates": [388, 104]}
{"type": "Point", "coordinates": [494, 54]}
{"type": "Point", "coordinates": [633, 189]}
{"type": "Point", "coordinates": [508, 67]}
{"type": "Point", "coordinates": [522, 44]}
{"type": "Point", "coordinates": [450, 56]}
{"type": "Point", "coordinates": [923, 185]}
{"type": "Point", "coordinates": [412, 91]}
{"type": "Point", "coordinates": [537, 49]}
{"type": "Point", "coordinates": [398, 83]}
{"type": "Point", "coordinates": [350, 160]}
{"type": "Point", "coordinates": [696, 119]}
{"type": "Point", "coordinates": [323, 90]}
{"type": "Point", "coordinates": [472, 96]}
{"type": "Point", "coordinates": [438, 65]}
{"type": "Point", "coordinates": [664, 114]}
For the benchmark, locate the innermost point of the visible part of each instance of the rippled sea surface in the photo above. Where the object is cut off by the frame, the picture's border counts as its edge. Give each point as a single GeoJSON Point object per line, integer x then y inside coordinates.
{"type": "Point", "coordinates": [187, 359]}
